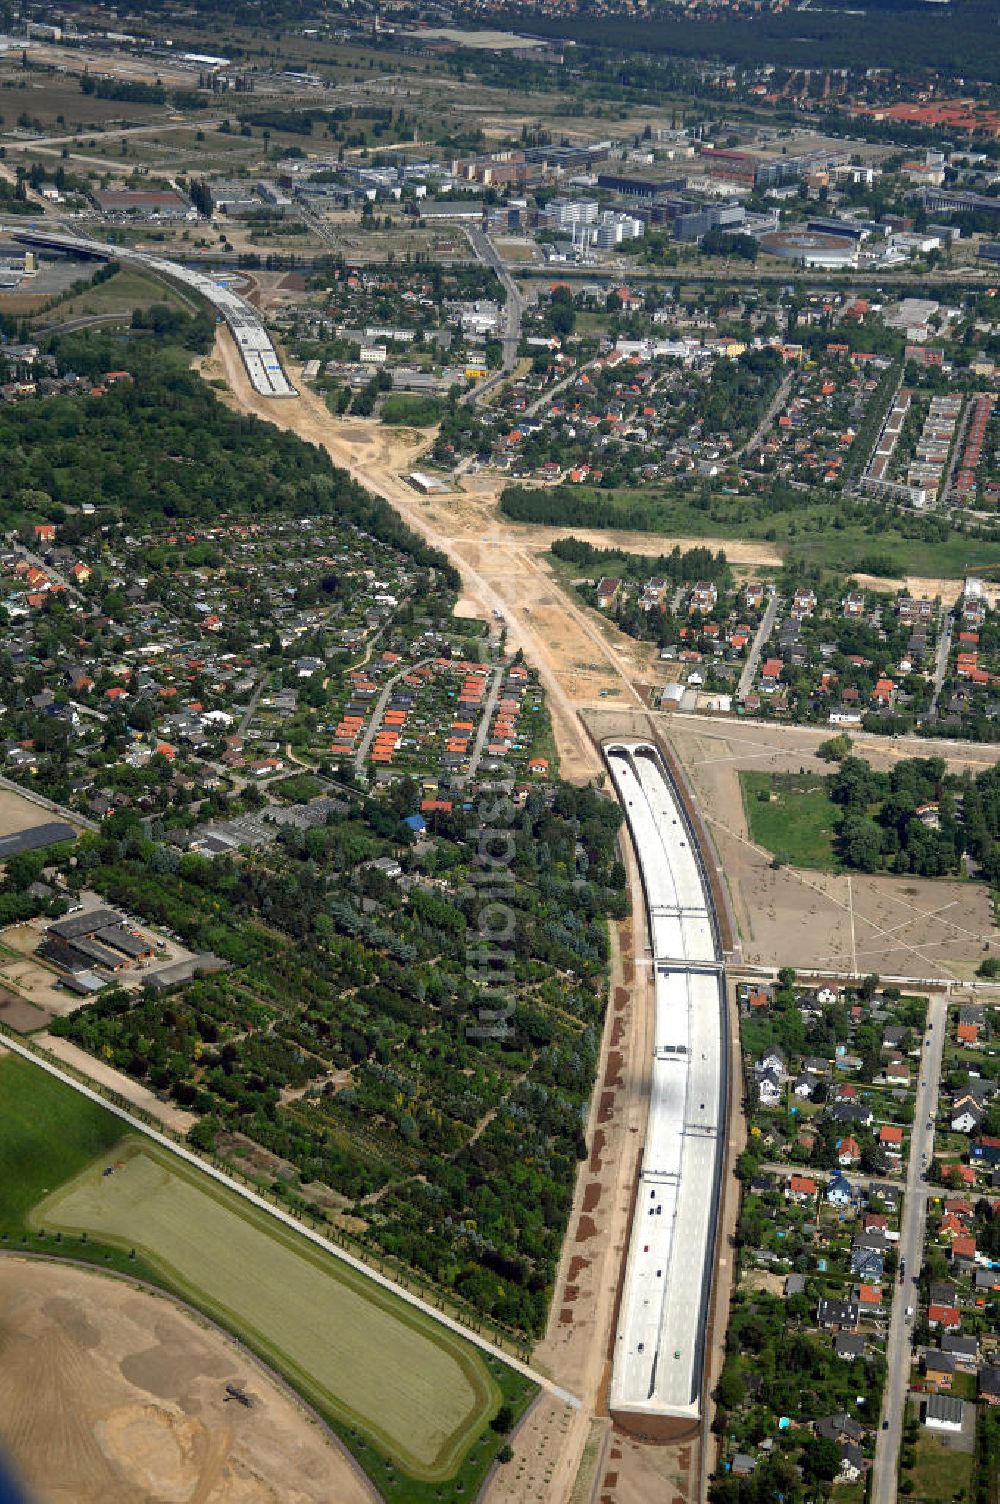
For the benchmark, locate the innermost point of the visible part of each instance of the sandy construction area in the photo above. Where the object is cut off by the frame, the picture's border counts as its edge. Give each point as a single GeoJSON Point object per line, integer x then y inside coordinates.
{"type": "Point", "coordinates": [496, 576]}
{"type": "Point", "coordinates": [20, 814]}
{"type": "Point", "coordinates": [897, 926]}
{"type": "Point", "coordinates": [36, 983]}
{"type": "Point", "coordinates": [110, 1396]}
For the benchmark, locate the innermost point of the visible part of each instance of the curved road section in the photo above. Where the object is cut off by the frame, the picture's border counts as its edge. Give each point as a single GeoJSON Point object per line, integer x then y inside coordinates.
{"type": "Point", "coordinates": [659, 1347]}
{"type": "Point", "coordinates": [257, 351]}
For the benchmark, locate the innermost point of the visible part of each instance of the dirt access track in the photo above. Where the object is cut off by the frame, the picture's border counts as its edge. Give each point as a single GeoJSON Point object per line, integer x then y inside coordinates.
{"type": "Point", "coordinates": [109, 1395]}
{"type": "Point", "coordinates": [570, 651]}
{"type": "Point", "coordinates": [577, 657]}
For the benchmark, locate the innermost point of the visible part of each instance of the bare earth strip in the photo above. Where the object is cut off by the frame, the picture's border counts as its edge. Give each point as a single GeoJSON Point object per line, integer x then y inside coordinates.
{"type": "Point", "coordinates": [808, 919]}
{"type": "Point", "coordinates": [20, 814]}
{"type": "Point", "coordinates": [896, 926]}
{"type": "Point", "coordinates": [109, 1395]}
{"type": "Point", "coordinates": [105, 1075]}
{"type": "Point", "coordinates": [581, 660]}
{"type": "Point", "coordinates": [577, 657]}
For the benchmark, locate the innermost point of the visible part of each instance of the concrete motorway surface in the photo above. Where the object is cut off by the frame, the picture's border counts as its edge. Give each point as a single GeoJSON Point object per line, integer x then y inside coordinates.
{"type": "Point", "coordinates": [899, 1348]}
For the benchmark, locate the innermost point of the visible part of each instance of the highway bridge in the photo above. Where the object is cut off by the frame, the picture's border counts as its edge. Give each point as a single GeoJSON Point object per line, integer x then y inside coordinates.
{"type": "Point", "coordinates": [261, 359]}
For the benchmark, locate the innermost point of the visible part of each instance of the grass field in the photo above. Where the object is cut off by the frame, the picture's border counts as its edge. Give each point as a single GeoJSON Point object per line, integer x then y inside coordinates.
{"type": "Point", "coordinates": [940, 1472]}
{"type": "Point", "coordinates": [129, 289]}
{"type": "Point", "coordinates": [351, 1347]}
{"type": "Point", "coordinates": [412, 1400]}
{"type": "Point", "coordinates": [804, 535]}
{"type": "Point", "coordinates": [47, 1134]}
{"type": "Point", "coordinates": [792, 816]}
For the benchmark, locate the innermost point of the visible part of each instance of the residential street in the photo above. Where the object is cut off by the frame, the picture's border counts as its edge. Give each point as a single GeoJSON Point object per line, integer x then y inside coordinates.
{"type": "Point", "coordinates": [757, 437]}
{"type": "Point", "coordinates": [941, 657]}
{"type": "Point", "coordinates": [760, 637]}
{"type": "Point", "coordinates": [911, 1250]}
{"type": "Point", "coordinates": [485, 721]}
{"type": "Point", "coordinates": [375, 724]}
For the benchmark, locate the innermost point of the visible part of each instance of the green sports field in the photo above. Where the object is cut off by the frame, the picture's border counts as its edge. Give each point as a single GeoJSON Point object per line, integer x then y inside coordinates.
{"type": "Point", "coordinates": [410, 1399]}
{"type": "Point", "coordinates": [352, 1348]}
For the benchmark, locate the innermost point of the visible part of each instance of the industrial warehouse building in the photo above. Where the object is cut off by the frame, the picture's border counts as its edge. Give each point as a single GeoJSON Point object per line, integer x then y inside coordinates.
{"type": "Point", "coordinates": [129, 203]}
{"type": "Point", "coordinates": [99, 937]}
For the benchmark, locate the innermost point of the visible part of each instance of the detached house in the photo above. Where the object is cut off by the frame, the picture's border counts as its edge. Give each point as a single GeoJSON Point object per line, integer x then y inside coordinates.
{"type": "Point", "coordinates": [966, 1114]}
{"type": "Point", "coordinates": [848, 1151]}
{"type": "Point", "coordinates": [948, 1317]}
{"type": "Point", "coordinates": [837, 1315]}
{"type": "Point", "coordinates": [801, 1188]}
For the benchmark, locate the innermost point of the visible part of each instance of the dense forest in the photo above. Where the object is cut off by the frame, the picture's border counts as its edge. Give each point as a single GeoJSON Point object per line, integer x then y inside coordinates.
{"type": "Point", "coordinates": [894, 35]}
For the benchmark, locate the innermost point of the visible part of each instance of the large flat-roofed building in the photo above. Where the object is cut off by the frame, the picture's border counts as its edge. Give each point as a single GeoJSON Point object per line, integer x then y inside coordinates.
{"type": "Point", "coordinates": [99, 937]}
{"type": "Point", "coordinates": [141, 204]}
{"type": "Point", "coordinates": [135, 947]}
{"type": "Point", "coordinates": [89, 923]}
{"type": "Point", "coordinates": [633, 186]}
{"type": "Point", "coordinates": [660, 1339]}
{"type": "Point", "coordinates": [35, 838]}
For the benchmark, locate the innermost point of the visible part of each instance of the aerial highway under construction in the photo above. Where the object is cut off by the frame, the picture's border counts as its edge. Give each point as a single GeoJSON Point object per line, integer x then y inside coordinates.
{"type": "Point", "coordinates": [659, 1345]}
{"type": "Point", "coordinates": [257, 350]}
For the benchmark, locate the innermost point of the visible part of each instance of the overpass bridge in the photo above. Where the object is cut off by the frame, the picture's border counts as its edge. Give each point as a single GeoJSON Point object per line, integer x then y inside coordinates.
{"type": "Point", "coordinates": [257, 350]}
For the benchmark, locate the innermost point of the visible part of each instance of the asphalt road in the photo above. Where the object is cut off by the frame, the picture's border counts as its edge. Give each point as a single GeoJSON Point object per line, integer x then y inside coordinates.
{"type": "Point", "coordinates": [757, 647]}
{"type": "Point", "coordinates": [485, 721]}
{"type": "Point", "coordinates": [941, 658]}
{"type": "Point", "coordinates": [774, 407]}
{"type": "Point", "coordinates": [487, 253]}
{"type": "Point", "coordinates": [899, 1348]}
{"type": "Point", "coordinates": [375, 724]}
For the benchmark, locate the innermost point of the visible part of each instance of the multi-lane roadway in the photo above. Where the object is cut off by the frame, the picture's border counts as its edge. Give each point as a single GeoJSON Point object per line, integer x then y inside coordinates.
{"type": "Point", "coordinates": [660, 1341]}
{"type": "Point", "coordinates": [257, 350]}
{"type": "Point", "coordinates": [487, 253]}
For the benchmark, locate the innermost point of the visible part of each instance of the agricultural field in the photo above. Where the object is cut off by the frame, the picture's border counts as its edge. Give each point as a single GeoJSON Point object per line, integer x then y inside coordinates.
{"type": "Point", "coordinates": [411, 1400]}
{"type": "Point", "coordinates": [793, 816]}
{"type": "Point", "coordinates": [49, 1135]}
